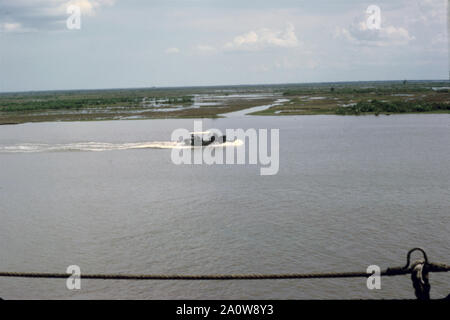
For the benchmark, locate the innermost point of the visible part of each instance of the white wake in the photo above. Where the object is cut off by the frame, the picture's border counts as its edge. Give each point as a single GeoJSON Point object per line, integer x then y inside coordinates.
{"type": "Point", "coordinates": [103, 146]}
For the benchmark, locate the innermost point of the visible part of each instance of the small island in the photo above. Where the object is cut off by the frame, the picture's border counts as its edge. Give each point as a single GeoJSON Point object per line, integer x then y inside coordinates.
{"type": "Point", "coordinates": [365, 98]}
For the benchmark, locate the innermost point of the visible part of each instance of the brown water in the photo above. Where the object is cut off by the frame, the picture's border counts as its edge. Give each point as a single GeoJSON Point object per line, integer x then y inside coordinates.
{"type": "Point", "coordinates": [350, 192]}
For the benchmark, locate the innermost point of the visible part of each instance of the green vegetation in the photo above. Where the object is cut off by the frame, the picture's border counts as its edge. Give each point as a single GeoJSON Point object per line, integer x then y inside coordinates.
{"type": "Point", "coordinates": [377, 87]}
{"type": "Point", "coordinates": [78, 102]}
{"type": "Point", "coordinates": [351, 98]}
{"type": "Point", "coordinates": [377, 107]}
{"type": "Point", "coordinates": [146, 103]}
{"type": "Point", "coordinates": [364, 98]}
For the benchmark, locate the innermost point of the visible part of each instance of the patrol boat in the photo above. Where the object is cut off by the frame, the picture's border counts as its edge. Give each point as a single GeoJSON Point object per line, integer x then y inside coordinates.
{"type": "Point", "coordinates": [204, 138]}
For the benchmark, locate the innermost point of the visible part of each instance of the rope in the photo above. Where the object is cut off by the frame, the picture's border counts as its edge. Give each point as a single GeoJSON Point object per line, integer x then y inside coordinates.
{"type": "Point", "coordinates": [432, 267]}
{"type": "Point", "coordinates": [421, 283]}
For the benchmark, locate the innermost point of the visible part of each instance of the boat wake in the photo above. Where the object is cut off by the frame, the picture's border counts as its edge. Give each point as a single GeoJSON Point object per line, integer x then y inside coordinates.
{"type": "Point", "coordinates": [104, 146]}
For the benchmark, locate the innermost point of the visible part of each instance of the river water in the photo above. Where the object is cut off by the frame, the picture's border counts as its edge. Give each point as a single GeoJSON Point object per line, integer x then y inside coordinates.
{"type": "Point", "coordinates": [350, 192]}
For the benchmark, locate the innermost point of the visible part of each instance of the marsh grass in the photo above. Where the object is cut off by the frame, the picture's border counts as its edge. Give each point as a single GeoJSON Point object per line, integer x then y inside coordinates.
{"type": "Point", "coordinates": [303, 99]}
{"type": "Point", "coordinates": [420, 97]}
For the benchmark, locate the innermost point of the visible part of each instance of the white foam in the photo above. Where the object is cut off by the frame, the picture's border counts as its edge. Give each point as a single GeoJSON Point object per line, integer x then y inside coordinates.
{"type": "Point", "coordinates": [103, 146]}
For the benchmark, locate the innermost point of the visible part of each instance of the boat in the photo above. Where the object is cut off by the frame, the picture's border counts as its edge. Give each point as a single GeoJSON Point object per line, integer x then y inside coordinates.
{"type": "Point", "coordinates": [204, 138]}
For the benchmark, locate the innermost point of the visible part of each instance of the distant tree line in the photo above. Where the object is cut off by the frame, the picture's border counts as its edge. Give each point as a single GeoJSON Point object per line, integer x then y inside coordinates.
{"type": "Point", "coordinates": [376, 107]}
{"type": "Point", "coordinates": [350, 90]}
{"type": "Point", "coordinates": [81, 103]}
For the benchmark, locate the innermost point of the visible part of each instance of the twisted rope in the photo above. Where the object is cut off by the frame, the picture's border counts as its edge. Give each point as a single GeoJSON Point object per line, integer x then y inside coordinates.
{"type": "Point", "coordinates": [432, 267]}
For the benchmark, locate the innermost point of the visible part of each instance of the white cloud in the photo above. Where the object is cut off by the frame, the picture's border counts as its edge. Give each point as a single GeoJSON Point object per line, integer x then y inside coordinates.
{"type": "Point", "coordinates": [172, 50]}
{"type": "Point", "coordinates": [14, 27]}
{"type": "Point", "coordinates": [430, 11]}
{"type": "Point", "coordinates": [263, 38]}
{"type": "Point", "coordinates": [88, 7]}
{"type": "Point", "coordinates": [10, 27]}
{"type": "Point", "coordinates": [360, 34]}
{"type": "Point", "coordinates": [31, 15]}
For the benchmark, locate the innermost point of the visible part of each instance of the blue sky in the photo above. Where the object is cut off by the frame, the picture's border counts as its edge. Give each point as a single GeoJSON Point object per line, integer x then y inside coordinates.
{"type": "Point", "coordinates": [195, 42]}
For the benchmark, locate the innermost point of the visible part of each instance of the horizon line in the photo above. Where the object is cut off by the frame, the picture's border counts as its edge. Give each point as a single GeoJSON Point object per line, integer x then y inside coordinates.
{"type": "Point", "coordinates": [223, 85]}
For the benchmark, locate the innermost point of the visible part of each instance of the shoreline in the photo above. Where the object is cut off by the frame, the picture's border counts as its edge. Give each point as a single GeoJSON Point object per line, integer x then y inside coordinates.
{"type": "Point", "coordinates": [357, 99]}
{"type": "Point", "coordinates": [256, 114]}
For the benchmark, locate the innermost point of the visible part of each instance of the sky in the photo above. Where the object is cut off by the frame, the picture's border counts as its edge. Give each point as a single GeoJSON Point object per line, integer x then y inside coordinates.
{"type": "Point", "coordinates": [129, 44]}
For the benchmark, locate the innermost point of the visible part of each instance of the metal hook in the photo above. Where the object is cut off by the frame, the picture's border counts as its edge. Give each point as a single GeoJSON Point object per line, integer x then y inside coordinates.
{"type": "Point", "coordinates": [408, 257]}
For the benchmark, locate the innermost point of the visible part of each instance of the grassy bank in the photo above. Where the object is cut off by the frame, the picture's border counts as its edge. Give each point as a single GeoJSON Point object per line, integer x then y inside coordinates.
{"type": "Point", "coordinates": [122, 104]}
{"type": "Point", "coordinates": [355, 98]}
{"type": "Point", "coordinates": [370, 98]}
{"type": "Point", "coordinates": [376, 107]}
